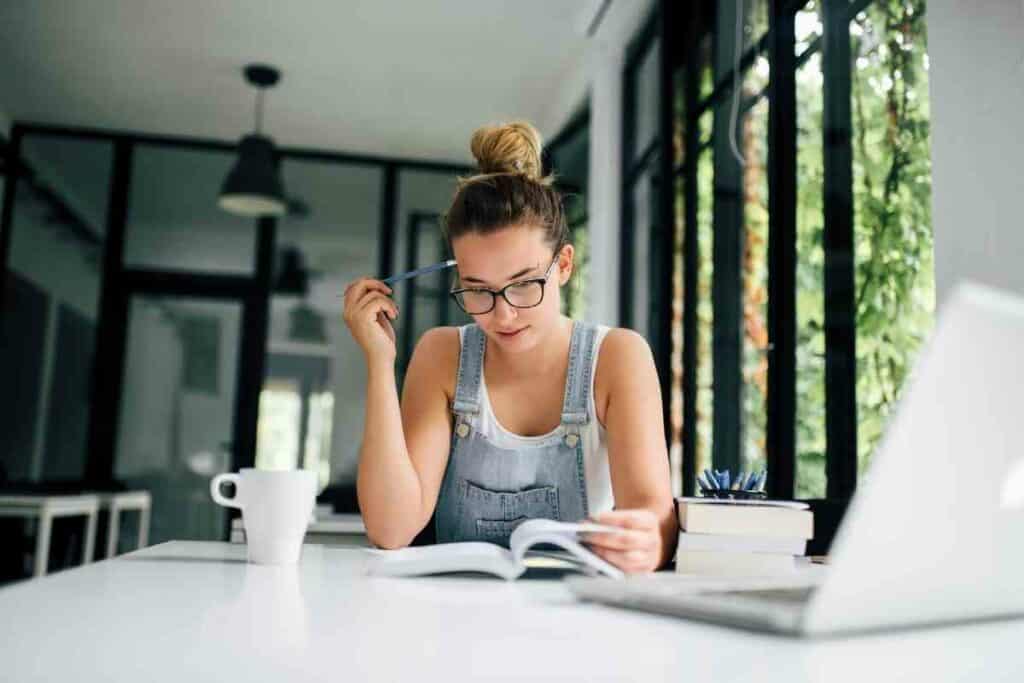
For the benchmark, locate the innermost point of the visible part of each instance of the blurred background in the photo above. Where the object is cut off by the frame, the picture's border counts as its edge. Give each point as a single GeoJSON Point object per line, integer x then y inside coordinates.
{"type": "Point", "coordinates": [749, 185]}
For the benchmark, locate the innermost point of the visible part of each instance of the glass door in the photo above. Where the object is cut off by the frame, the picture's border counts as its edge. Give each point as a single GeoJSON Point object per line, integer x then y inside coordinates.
{"type": "Point", "coordinates": [177, 410]}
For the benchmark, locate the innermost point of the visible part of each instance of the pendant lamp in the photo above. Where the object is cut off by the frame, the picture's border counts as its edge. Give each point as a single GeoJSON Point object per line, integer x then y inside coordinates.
{"type": "Point", "coordinates": [253, 187]}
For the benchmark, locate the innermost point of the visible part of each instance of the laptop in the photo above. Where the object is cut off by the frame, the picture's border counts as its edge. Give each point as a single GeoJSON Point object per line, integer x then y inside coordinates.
{"type": "Point", "coordinates": [935, 532]}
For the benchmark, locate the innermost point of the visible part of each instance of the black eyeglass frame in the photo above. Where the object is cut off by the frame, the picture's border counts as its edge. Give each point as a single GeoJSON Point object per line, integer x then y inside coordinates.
{"type": "Point", "coordinates": [543, 281]}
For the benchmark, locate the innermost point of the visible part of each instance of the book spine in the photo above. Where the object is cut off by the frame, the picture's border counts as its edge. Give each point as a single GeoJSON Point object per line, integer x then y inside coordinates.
{"type": "Point", "coordinates": [715, 563]}
{"type": "Point", "coordinates": [741, 543]}
{"type": "Point", "coordinates": [751, 521]}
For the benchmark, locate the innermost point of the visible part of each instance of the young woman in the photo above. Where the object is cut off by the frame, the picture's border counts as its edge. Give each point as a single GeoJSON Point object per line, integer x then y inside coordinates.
{"type": "Point", "coordinates": [525, 413]}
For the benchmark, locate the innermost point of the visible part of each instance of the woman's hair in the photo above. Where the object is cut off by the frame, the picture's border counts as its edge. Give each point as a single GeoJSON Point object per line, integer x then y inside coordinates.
{"type": "Point", "coordinates": [510, 189]}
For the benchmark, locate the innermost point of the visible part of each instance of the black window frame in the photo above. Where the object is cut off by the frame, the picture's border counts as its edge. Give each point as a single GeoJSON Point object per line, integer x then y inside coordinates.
{"type": "Point", "coordinates": [681, 30]}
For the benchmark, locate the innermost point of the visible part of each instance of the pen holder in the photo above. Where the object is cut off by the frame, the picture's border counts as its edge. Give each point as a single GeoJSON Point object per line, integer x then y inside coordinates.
{"type": "Point", "coordinates": [734, 494]}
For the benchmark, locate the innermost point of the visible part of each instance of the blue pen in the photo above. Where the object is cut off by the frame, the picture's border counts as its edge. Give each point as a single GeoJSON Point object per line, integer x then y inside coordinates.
{"type": "Point", "coordinates": [740, 481]}
{"type": "Point", "coordinates": [419, 271]}
{"type": "Point", "coordinates": [711, 479]}
{"type": "Point", "coordinates": [725, 480]}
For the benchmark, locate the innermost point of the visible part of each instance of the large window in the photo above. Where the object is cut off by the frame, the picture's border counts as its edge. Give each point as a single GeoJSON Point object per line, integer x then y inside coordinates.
{"type": "Point", "coordinates": [803, 280]}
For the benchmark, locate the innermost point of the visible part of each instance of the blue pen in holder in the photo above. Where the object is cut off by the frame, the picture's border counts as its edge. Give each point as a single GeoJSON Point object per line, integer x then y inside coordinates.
{"type": "Point", "coordinates": [719, 484]}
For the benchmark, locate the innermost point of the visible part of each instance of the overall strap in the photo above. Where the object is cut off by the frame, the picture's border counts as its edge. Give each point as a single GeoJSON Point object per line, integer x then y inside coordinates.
{"type": "Point", "coordinates": [577, 379]}
{"type": "Point", "coordinates": [471, 365]}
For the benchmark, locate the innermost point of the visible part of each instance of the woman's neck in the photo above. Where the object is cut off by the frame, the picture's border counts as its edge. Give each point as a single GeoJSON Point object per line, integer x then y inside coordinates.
{"type": "Point", "coordinates": [548, 356]}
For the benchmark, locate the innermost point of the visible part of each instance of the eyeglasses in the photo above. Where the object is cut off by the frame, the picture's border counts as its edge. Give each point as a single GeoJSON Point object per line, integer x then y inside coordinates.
{"type": "Point", "coordinates": [522, 294]}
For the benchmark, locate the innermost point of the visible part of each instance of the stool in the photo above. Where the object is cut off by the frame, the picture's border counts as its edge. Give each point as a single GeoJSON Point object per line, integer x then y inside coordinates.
{"type": "Point", "coordinates": [45, 508]}
{"type": "Point", "coordinates": [114, 503]}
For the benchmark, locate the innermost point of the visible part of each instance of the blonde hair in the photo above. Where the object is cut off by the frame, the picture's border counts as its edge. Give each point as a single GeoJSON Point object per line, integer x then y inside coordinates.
{"type": "Point", "coordinates": [510, 189]}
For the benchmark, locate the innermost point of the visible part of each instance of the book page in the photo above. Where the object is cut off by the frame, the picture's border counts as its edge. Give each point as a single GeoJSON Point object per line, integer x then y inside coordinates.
{"type": "Point", "coordinates": [564, 535]}
{"type": "Point", "coordinates": [444, 558]}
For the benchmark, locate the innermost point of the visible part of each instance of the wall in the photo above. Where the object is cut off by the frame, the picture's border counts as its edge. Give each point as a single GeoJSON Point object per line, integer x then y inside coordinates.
{"type": "Point", "coordinates": [976, 53]}
{"type": "Point", "coordinates": [605, 62]}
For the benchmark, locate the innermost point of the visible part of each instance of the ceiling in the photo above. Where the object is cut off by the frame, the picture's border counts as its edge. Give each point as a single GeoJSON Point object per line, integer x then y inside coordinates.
{"type": "Point", "coordinates": [389, 77]}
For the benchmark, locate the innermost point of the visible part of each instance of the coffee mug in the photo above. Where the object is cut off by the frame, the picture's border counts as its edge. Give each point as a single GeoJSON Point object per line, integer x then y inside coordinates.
{"type": "Point", "coordinates": [276, 508]}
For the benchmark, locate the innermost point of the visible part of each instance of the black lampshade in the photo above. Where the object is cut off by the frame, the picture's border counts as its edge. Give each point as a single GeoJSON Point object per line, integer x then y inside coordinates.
{"type": "Point", "coordinates": [253, 187]}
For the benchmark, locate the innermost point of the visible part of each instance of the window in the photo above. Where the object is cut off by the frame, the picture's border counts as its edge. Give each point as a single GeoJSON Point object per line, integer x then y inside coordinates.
{"type": "Point", "coordinates": [806, 248]}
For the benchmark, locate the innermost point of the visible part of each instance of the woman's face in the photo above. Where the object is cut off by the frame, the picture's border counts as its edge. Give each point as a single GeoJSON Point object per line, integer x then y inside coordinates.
{"type": "Point", "coordinates": [512, 255]}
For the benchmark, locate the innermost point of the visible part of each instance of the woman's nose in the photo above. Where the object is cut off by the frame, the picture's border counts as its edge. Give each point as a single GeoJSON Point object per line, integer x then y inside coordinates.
{"type": "Point", "coordinates": [503, 310]}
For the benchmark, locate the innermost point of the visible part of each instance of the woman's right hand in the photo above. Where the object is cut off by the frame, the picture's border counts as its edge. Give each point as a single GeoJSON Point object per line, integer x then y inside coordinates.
{"type": "Point", "coordinates": [368, 314]}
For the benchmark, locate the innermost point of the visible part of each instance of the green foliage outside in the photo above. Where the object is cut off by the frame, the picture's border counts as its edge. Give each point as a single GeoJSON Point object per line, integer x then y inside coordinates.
{"type": "Point", "coordinates": [892, 234]}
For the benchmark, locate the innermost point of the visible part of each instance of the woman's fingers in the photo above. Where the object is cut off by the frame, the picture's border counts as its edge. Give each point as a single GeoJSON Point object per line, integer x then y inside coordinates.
{"type": "Point", "coordinates": [636, 548]}
{"type": "Point", "coordinates": [355, 291]}
{"type": "Point", "coordinates": [629, 561]}
{"type": "Point", "coordinates": [627, 540]}
{"type": "Point", "coordinates": [373, 303]}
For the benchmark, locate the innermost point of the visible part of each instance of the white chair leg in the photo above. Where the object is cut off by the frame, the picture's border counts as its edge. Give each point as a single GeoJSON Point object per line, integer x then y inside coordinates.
{"type": "Point", "coordinates": [43, 543]}
{"type": "Point", "coordinates": [90, 536]}
{"type": "Point", "coordinates": [143, 527]}
{"type": "Point", "coordinates": [113, 529]}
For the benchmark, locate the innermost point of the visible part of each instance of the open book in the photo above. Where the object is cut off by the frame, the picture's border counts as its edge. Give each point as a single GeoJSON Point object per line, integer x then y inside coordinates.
{"type": "Point", "coordinates": [490, 558]}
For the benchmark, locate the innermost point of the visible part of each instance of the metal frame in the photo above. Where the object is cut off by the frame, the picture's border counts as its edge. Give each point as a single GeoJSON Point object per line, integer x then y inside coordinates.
{"type": "Point", "coordinates": [840, 287]}
{"type": "Point", "coordinates": [633, 170]}
{"type": "Point", "coordinates": [663, 261]}
{"type": "Point", "coordinates": [780, 426]}
{"type": "Point", "coordinates": [727, 253]}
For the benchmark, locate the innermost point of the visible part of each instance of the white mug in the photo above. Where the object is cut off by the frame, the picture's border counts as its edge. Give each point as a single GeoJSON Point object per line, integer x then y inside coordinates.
{"type": "Point", "coordinates": [276, 508]}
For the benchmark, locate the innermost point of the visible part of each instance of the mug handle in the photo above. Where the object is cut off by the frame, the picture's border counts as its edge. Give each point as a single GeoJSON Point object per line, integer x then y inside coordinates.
{"type": "Point", "coordinates": [218, 497]}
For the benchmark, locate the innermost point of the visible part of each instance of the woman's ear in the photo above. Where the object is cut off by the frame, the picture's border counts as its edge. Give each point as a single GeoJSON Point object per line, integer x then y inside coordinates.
{"type": "Point", "coordinates": [565, 263]}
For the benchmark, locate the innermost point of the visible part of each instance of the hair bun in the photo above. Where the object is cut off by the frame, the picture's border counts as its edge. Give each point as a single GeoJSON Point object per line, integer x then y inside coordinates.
{"type": "Point", "coordinates": [508, 148]}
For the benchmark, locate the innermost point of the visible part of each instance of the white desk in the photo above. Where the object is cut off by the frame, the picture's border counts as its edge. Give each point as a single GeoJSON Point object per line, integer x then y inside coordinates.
{"type": "Point", "coordinates": [47, 507]}
{"type": "Point", "coordinates": [191, 611]}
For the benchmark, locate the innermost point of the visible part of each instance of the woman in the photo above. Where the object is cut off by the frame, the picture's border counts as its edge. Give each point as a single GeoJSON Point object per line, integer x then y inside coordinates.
{"type": "Point", "coordinates": [525, 413]}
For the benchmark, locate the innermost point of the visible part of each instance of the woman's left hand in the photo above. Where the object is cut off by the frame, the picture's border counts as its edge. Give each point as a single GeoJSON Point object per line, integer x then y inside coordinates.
{"type": "Point", "coordinates": [634, 552]}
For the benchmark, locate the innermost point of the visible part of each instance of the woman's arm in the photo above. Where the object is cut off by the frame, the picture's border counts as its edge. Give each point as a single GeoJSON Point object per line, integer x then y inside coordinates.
{"type": "Point", "coordinates": [626, 383]}
{"type": "Point", "coordinates": [405, 447]}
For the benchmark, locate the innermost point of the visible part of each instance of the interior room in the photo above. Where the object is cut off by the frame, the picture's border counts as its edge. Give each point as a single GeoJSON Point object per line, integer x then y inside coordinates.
{"type": "Point", "coordinates": [781, 211]}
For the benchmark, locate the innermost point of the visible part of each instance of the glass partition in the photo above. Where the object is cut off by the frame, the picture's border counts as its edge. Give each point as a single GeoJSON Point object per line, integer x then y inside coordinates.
{"type": "Point", "coordinates": [50, 307]}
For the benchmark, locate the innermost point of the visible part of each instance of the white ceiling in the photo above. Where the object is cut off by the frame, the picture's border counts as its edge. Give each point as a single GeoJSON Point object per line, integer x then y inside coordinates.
{"type": "Point", "coordinates": [406, 78]}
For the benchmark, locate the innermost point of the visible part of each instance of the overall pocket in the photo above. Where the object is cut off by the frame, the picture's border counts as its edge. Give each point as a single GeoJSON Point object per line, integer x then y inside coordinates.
{"type": "Point", "coordinates": [488, 515]}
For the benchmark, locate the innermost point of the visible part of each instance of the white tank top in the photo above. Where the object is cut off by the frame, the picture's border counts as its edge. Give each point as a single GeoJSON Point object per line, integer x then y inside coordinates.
{"type": "Point", "coordinates": [597, 475]}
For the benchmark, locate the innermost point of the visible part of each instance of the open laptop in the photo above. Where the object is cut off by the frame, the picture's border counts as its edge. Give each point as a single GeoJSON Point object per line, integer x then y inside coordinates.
{"type": "Point", "coordinates": [935, 532]}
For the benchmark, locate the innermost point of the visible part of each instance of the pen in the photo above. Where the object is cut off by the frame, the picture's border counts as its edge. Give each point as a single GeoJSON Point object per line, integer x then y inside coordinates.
{"type": "Point", "coordinates": [419, 271]}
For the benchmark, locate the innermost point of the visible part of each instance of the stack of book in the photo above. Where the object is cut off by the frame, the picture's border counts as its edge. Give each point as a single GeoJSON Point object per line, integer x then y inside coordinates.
{"type": "Point", "coordinates": [741, 537]}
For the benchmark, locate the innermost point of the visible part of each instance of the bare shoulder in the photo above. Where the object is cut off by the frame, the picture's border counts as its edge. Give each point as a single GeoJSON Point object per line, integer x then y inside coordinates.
{"type": "Point", "coordinates": [436, 357]}
{"type": "Point", "coordinates": [623, 360]}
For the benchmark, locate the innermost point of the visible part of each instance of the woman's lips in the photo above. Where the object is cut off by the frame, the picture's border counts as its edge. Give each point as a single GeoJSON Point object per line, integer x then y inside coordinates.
{"type": "Point", "coordinates": [509, 335]}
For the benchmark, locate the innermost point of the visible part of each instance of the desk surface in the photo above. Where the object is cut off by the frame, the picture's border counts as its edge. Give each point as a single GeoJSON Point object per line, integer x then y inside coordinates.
{"type": "Point", "coordinates": [190, 611]}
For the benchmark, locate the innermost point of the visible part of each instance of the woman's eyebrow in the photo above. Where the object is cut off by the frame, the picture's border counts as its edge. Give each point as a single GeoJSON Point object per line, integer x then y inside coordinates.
{"type": "Point", "coordinates": [477, 280]}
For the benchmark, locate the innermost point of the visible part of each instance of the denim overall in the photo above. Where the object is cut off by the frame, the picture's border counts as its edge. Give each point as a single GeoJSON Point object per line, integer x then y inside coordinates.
{"type": "Point", "coordinates": [487, 490]}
